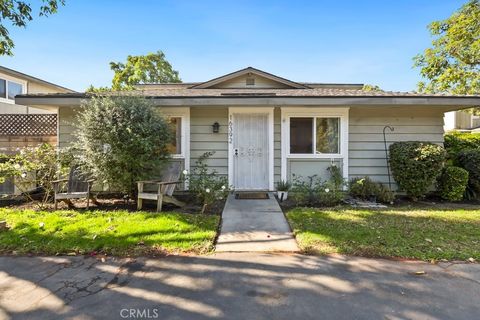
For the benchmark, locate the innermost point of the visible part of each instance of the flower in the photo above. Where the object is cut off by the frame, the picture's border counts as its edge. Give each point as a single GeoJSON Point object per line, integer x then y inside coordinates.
{"type": "Point", "coordinates": [41, 224]}
{"type": "Point", "coordinates": [23, 175]}
{"type": "Point", "coordinates": [185, 172]}
{"type": "Point", "coordinates": [223, 187]}
{"type": "Point", "coordinates": [207, 190]}
{"type": "Point", "coordinates": [327, 190]}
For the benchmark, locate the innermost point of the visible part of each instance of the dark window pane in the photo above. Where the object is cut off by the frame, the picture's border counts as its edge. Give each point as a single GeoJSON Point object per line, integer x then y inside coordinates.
{"type": "Point", "coordinates": [14, 89]}
{"type": "Point", "coordinates": [328, 135]}
{"type": "Point", "coordinates": [3, 88]}
{"type": "Point", "coordinates": [301, 135]}
{"type": "Point", "coordinates": [175, 145]}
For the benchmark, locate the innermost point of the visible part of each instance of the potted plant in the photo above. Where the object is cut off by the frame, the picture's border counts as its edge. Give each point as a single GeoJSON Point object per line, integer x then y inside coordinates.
{"type": "Point", "coordinates": [282, 189]}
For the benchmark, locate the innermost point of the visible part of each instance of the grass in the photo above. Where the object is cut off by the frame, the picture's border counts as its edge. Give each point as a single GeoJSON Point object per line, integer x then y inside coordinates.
{"type": "Point", "coordinates": [113, 232]}
{"type": "Point", "coordinates": [404, 233]}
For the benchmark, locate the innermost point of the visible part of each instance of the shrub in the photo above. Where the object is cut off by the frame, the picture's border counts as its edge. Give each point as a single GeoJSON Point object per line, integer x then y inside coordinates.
{"type": "Point", "coordinates": [34, 167]}
{"type": "Point", "coordinates": [365, 188]}
{"type": "Point", "coordinates": [455, 142]}
{"type": "Point", "coordinates": [415, 165]}
{"type": "Point", "coordinates": [205, 184]}
{"type": "Point", "coordinates": [451, 184]}
{"type": "Point", "coordinates": [313, 191]}
{"type": "Point", "coordinates": [121, 139]}
{"type": "Point", "coordinates": [470, 161]}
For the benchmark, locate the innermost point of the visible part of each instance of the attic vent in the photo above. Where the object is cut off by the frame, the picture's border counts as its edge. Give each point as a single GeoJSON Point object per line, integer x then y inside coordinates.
{"type": "Point", "coordinates": [250, 81]}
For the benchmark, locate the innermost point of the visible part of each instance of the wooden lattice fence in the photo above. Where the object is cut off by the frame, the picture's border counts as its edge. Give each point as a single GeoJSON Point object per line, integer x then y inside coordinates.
{"type": "Point", "coordinates": [28, 125]}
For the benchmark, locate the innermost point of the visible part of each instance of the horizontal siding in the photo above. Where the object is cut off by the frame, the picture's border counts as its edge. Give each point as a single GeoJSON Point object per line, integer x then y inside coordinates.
{"type": "Point", "coordinates": [366, 146]}
{"type": "Point", "coordinates": [66, 128]}
{"type": "Point", "coordinates": [277, 146]}
{"type": "Point", "coordinates": [202, 139]}
{"type": "Point", "coordinates": [303, 168]}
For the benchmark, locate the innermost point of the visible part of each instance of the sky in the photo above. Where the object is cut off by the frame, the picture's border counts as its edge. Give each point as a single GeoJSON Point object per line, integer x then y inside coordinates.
{"type": "Point", "coordinates": [366, 41]}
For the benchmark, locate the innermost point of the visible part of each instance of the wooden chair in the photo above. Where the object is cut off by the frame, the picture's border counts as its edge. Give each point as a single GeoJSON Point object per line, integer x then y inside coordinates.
{"type": "Point", "coordinates": [77, 188]}
{"type": "Point", "coordinates": [165, 187]}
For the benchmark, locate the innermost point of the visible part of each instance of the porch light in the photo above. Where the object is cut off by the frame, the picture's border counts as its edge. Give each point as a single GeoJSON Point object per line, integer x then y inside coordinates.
{"type": "Point", "coordinates": [216, 127]}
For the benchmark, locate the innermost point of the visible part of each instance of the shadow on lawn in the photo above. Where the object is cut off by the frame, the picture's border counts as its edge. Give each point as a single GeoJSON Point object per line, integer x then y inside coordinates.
{"type": "Point", "coordinates": [388, 233]}
{"type": "Point", "coordinates": [186, 233]}
{"type": "Point", "coordinates": [257, 286]}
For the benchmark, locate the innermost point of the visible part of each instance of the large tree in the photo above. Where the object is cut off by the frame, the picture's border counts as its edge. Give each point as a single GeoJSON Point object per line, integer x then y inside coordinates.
{"type": "Point", "coordinates": [19, 13]}
{"type": "Point", "coordinates": [150, 68]}
{"type": "Point", "coordinates": [452, 64]}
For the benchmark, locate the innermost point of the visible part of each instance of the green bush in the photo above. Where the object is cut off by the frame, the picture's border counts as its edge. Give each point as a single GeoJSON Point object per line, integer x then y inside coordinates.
{"type": "Point", "coordinates": [470, 161]}
{"type": "Point", "coordinates": [451, 184]}
{"type": "Point", "coordinates": [121, 139]}
{"type": "Point", "coordinates": [315, 192]}
{"type": "Point", "coordinates": [365, 188]}
{"type": "Point", "coordinates": [415, 165]}
{"type": "Point", "coordinates": [455, 142]}
{"type": "Point", "coordinates": [205, 184]}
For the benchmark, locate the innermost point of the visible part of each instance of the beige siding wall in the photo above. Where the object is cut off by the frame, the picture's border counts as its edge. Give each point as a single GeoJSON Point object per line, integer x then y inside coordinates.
{"type": "Point", "coordinates": [202, 139]}
{"type": "Point", "coordinates": [240, 82]}
{"type": "Point", "coordinates": [66, 128]}
{"type": "Point", "coordinates": [277, 145]}
{"type": "Point", "coordinates": [366, 147]}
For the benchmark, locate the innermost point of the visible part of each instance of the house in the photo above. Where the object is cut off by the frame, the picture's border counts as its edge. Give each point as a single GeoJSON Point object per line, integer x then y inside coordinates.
{"type": "Point", "coordinates": [461, 120]}
{"type": "Point", "coordinates": [22, 125]}
{"type": "Point", "coordinates": [265, 128]}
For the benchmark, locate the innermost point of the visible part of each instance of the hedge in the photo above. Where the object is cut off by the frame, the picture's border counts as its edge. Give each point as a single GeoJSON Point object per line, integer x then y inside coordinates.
{"type": "Point", "coordinates": [451, 184]}
{"type": "Point", "coordinates": [415, 165]}
{"type": "Point", "coordinates": [456, 141]}
{"type": "Point", "coordinates": [470, 161]}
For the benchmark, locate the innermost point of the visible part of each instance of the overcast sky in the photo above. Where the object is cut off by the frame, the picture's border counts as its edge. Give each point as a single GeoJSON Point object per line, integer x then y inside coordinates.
{"type": "Point", "coordinates": [318, 41]}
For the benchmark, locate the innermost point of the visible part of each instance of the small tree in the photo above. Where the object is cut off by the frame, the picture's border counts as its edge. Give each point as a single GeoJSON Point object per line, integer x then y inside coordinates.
{"type": "Point", "coordinates": [121, 139]}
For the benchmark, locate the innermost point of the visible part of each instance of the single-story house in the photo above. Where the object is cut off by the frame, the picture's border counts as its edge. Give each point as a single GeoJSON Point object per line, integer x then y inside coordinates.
{"type": "Point", "coordinates": [265, 128]}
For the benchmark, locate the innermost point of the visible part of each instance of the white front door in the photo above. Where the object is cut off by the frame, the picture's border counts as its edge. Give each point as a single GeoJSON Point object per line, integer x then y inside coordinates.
{"type": "Point", "coordinates": [250, 143]}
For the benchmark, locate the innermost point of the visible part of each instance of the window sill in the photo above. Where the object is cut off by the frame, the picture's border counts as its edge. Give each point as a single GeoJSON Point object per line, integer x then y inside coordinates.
{"type": "Point", "coordinates": [315, 156]}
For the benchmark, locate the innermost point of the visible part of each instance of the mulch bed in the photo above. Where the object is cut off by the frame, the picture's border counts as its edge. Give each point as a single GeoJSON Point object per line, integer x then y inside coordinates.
{"type": "Point", "coordinates": [112, 202]}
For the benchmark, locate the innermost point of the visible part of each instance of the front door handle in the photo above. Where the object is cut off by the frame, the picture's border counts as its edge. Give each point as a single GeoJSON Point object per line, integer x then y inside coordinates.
{"type": "Point", "coordinates": [235, 151]}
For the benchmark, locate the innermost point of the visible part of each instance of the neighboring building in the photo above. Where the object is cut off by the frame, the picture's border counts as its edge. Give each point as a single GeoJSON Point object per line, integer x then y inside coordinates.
{"type": "Point", "coordinates": [22, 125]}
{"type": "Point", "coordinates": [461, 120]}
{"type": "Point", "coordinates": [271, 128]}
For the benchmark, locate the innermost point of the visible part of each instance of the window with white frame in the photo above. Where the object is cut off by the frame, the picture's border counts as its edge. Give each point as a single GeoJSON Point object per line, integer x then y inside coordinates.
{"type": "Point", "coordinates": [175, 144]}
{"type": "Point", "coordinates": [9, 89]}
{"type": "Point", "coordinates": [314, 135]}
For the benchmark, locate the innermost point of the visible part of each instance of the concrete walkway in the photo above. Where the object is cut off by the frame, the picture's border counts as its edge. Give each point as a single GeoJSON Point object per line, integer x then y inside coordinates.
{"type": "Point", "coordinates": [254, 225]}
{"type": "Point", "coordinates": [236, 286]}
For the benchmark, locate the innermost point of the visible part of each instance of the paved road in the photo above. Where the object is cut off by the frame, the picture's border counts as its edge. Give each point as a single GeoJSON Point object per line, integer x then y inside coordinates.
{"type": "Point", "coordinates": [254, 226]}
{"type": "Point", "coordinates": [236, 286]}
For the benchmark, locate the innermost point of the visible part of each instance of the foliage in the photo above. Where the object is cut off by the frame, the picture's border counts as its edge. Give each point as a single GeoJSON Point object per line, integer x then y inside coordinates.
{"type": "Point", "coordinates": [313, 191]}
{"type": "Point", "coordinates": [456, 141]}
{"type": "Point", "coordinates": [415, 165]}
{"type": "Point", "coordinates": [371, 87]}
{"type": "Point", "coordinates": [110, 232]}
{"type": "Point", "coordinates": [206, 184]}
{"type": "Point", "coordinates": [150, 68]}
{"type": "Point", "coordinates": [283, 185]}
{"type": "Point", "coordinates": [19, 13]}
{"type": "Point", "coordinates": [453, 63]}
{"type": "Point", "coordinates": [424, 234]}
{"type": "Point", "coordinates": [470, 161]}
{"type": "Point", "coordinates": [364, 188]}
{"type": "Point", "coordinates": [451, 184]}
{"type": "Point", "coordinates": [121, 140]}
{"type": "Point", "coordinates": [34, 167]}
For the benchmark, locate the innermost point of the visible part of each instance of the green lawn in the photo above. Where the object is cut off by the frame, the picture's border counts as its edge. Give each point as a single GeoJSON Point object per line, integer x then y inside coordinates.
{"type": "Point", "coordinates": [112, 232]}
{"type": "Point", "coordinates": [407, 233]}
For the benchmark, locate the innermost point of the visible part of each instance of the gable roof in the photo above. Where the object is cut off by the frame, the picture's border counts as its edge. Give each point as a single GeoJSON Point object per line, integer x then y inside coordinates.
{"type": "Point", "coordinates": [27, 77]}
{"type": "Point", "coordinates": [247, 71]}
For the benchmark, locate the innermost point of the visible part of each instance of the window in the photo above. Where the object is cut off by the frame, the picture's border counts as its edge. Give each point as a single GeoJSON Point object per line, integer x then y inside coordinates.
{"type": "Point", "coordinates": [9, 89]}
{"type": "Point", "coordinates": [3, 88]}
{"type": "Point", "coordinates": [314, 135]}
{"type": "Point", "coordinates": [14, 89]}
{"type": "Point", "coordinates": [175, 145]}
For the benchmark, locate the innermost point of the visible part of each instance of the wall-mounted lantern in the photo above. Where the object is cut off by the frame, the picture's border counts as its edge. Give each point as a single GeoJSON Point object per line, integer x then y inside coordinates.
{"type": "Point", "coordinates": [216, 127]}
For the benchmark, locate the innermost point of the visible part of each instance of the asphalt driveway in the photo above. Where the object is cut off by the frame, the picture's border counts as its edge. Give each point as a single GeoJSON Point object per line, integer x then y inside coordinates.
{"type": "Point", "coordinates": [236, 286]}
